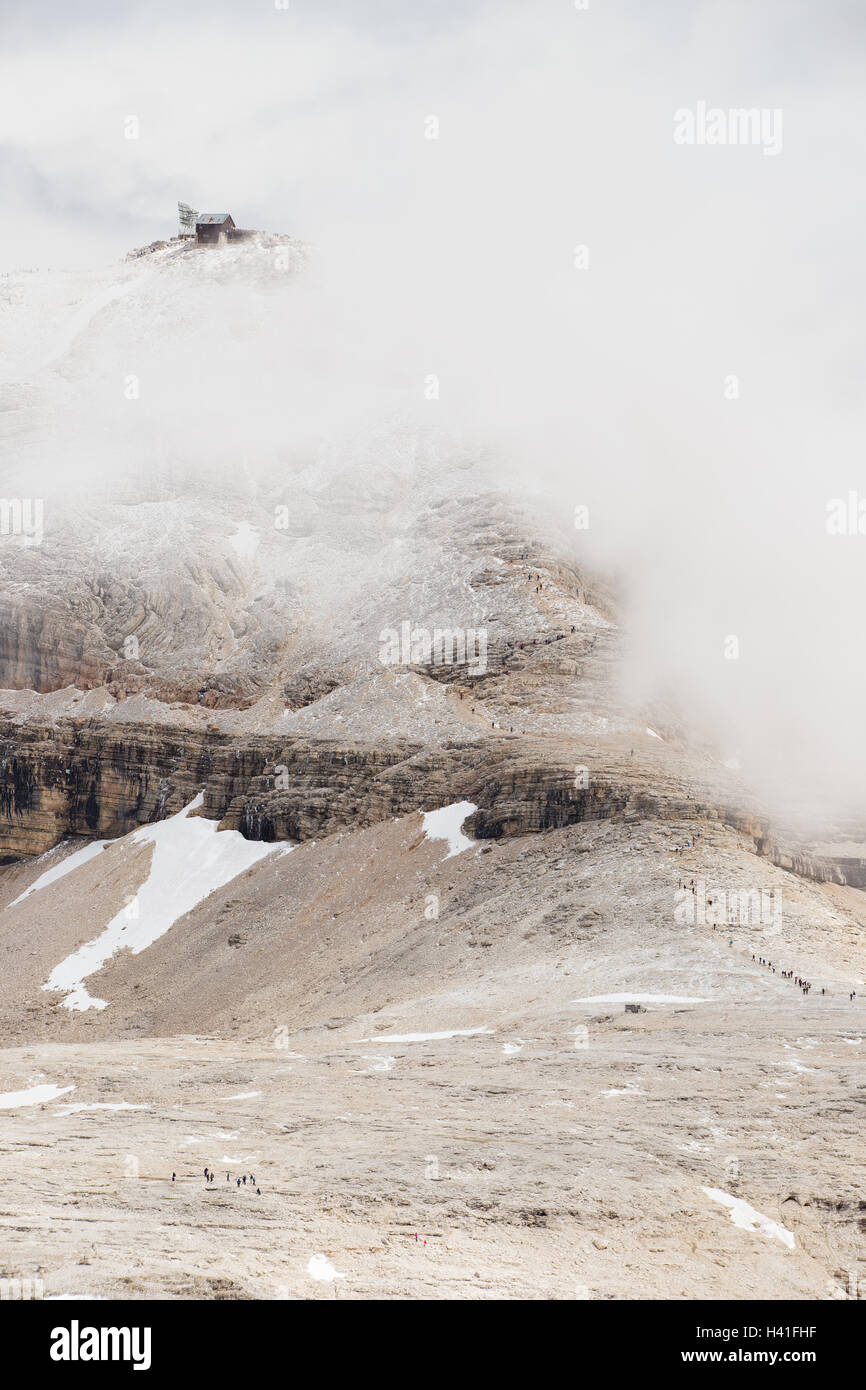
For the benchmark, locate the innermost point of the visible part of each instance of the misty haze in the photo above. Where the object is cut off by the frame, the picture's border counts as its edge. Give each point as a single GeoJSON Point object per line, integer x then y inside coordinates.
{"type": "Point", "coordinates": [432, 675]}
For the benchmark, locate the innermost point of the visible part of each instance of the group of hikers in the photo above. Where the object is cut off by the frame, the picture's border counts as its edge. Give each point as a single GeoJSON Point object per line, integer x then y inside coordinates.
{"type": "Point", "coordinates": [241, 1181]}
{"type": "Point", "coordinates": [210, 1177]}
{"type": "Point", "coordinates": [803, 985]}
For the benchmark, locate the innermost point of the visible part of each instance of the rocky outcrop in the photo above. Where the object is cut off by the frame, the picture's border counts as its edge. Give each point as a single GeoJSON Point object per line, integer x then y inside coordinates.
{"type": "Point", "coordinates": [46, 649]}
{"type": "Point", "coordinates": [78, 778]}
{"type": "Point", "coordinates": [824, 868]}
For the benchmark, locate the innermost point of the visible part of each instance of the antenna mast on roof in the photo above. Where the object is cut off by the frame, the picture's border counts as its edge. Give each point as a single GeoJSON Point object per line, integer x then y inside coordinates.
{"type": "Point", "coordinates": [186, 216]}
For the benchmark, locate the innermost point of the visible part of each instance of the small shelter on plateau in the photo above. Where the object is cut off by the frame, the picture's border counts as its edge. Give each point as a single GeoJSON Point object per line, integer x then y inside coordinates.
{"type": "Point", "coordinates": [211, 228]}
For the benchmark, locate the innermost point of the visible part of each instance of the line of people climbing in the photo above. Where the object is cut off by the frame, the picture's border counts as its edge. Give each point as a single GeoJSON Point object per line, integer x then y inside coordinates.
{"type": "Point", "coordinates": [803, 985]}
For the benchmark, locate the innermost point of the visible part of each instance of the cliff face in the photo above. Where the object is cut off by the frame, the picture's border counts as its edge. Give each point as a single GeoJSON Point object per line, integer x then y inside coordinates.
{"type": "Point", "coordinates": [219, 622]}
{"type": "Point", "coordinates": [824, 868]}
{"type": "Point", "coordinates": [76, 778]}
{"type": "Point", "coordinates": [44, 648]}
{"type": "Point", "coordinates": [61, 781]}
{"type": "Point", "coordinates": [87, 780]}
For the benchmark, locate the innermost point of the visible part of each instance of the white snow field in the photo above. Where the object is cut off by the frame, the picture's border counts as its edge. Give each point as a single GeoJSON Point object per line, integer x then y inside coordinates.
{"type": "Point", "coordinates": [67, 866]}
{"type": "Point", "coordinates": [77, 1109]}
{"type": "Point", "coordinates": [320, 1267]}
{"type": "Point", "coordinates": [640, 999]}
{"type": "Point", "coordinates": [748, 1219]}
{"type": "Point", "coordinates": [36, 1095]}
{"type": "Point", "coordinates": [446, 824]}
{"type": "Point", "coordinates": [245, 541]}
{"type": "Point", "coordinates": [191, 859]}
{"type": "Point", "coordinates": [427, 1037]}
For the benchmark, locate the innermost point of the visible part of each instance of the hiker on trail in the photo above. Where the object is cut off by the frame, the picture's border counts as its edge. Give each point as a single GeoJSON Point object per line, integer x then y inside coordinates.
{"type": "Point", "coordinates": [259, 1191]}
{"type": "Point", "coordinates": [252, 1180]}
{"type": "Point", "coordinates": [239, 1182]}
{"type": "Point", "coordinates": [228, 1175]}
{"type": "Point", "coordinates": [205, 1172]}
{"type": "Point", "coordinates": [245, 1179]}
{"type": "Point", "coordinates": [173, 1176]}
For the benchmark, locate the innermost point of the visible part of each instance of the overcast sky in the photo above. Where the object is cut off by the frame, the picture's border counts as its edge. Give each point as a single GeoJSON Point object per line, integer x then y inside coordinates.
{"type": "Point", "coordinates": [555, 130]}
{"type": "Point", "coordinates": [311, 117]}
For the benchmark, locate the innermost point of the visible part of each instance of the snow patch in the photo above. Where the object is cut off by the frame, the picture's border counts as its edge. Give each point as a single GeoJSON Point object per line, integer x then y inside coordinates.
{"type": "Point", "coordinates": [427, 1037]}
{"type": "Point", "coordinates": [446, 823]}
{"type": "Point", "coordinates": [639, 999]}
{"type": "Point", "coordinates": [320, 1267]}
{"type": "Point", "coordinates": [748, 1219]}
{"type": "Point", "coordinates": [245, 541]}
{"type": "Point", "coordinates": [191, 859]}
{"type": "Point", "coordinates": [84, 1297]}
{"type": "Point", "coordinates": [68, 866]}
{"type": "Point", "coordinates": [36, 1095]}
{"type": "Point", "coordinates": [380, 1063]}
{"type": "Point", "coordinates": [99, 1105]}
